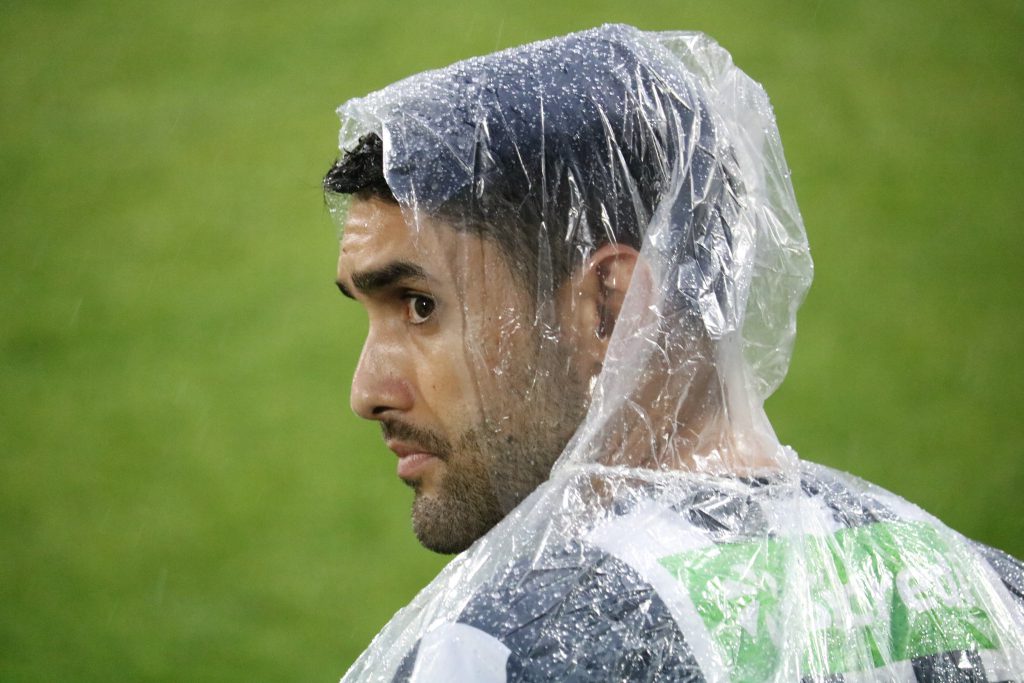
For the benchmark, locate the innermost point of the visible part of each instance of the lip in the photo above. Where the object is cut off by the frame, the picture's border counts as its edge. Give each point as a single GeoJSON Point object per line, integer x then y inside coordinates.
{"type": "Point", "coordinates": [412, 460]}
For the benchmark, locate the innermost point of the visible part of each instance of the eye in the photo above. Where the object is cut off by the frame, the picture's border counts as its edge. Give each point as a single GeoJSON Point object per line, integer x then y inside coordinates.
{"type": "Point", "coordinates": [419, 308]}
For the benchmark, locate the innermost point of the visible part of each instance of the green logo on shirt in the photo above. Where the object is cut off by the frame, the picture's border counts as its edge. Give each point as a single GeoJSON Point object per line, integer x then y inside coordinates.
{"type": "Point", "coordinates": [861, 598]}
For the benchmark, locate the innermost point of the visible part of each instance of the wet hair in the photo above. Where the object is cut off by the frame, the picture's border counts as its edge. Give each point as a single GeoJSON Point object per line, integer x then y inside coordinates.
{"type": "Point", "coordinates": [507, 211]}
{"type": "Point", "coordinates": [361, 171]}
{"type": "Point", "coordinates": [561, 222]}
{"type": "Point", "coordinates": [499, 212]}
{"type": "Point", "coordinates": [580, 144]}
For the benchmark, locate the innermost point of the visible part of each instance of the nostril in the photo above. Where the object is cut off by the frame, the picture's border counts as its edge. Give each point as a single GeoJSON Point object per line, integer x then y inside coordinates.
{"type": "Point", "coordinates": [376, 393]}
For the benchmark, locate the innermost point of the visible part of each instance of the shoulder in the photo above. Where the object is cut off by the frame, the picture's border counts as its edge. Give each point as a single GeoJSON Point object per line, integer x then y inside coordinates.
{"type": "Point", "coordinates": [579, 613]}
{"type": "Point", "coordinates": [575, 612]}
{"type": "Point", "coordinates": [705, 585]}
{"type": "Point", "coordinates": [1008, 568]}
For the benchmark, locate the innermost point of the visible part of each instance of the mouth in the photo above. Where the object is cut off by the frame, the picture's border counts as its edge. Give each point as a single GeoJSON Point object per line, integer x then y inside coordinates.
{"type": "Point", "coordinates": [413, 460]}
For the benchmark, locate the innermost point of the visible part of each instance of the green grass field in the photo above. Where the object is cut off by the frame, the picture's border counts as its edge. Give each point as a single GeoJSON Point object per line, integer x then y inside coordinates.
{"type": "Point", "coordinates": [184, 495]}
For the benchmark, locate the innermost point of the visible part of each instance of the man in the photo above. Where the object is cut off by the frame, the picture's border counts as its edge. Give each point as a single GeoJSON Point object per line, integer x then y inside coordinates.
{"type": "Point", "coordinates": [581, 261]}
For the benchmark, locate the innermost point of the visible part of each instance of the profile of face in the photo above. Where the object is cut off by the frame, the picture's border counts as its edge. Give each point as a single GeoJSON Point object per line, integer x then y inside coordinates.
{"type": "Point", "coordinates": [474, 392]}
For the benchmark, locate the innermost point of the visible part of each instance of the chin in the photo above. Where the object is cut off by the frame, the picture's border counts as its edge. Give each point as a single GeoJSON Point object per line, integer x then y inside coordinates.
{"type": "Point", "coordinates": [450, 524]}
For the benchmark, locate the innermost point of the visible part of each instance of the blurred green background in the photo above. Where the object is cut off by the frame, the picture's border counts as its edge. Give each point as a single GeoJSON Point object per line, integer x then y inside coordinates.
{"type": "Point", "coordinates": [183, 492]}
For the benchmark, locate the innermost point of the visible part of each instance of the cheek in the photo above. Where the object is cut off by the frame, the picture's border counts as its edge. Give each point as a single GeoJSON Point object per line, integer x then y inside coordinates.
{"type": "Point", "coordinates": [495, 342]}
{"type": "Point", "coordinates": [447, 381]}
{"type": "Point", "coordinates": [502, 357]}
{"type": "Point", "coordinates": [499, 334]}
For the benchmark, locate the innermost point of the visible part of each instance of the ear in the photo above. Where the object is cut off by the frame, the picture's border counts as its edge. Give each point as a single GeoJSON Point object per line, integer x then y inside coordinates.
{"type": "Point", "coordinates": [597, 289]}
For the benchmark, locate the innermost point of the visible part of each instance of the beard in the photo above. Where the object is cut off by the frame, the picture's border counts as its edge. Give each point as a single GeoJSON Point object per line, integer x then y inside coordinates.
{"type": "Point", "coordinates": [493, 465]}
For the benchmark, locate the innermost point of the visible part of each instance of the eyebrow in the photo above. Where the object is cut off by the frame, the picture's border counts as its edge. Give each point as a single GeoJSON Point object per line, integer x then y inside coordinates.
{"type": "Point", "coordinates": [370, 281]}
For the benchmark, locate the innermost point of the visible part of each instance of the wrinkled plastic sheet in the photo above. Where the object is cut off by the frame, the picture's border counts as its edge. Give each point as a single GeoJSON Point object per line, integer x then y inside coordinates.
{"type": "Point", "coordinates": [675, 539]}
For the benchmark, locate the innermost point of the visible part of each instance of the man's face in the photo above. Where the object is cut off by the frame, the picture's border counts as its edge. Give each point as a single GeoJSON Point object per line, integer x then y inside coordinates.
{"type": "Point", "coordinates": [476, 403]}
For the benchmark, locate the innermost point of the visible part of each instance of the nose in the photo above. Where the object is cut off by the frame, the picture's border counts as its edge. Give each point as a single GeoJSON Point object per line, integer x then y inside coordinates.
{"type": "Point", "coordinates": [379, 386]}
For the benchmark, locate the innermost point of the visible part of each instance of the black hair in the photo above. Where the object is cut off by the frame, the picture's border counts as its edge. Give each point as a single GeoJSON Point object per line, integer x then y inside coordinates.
{"type": "Point", "coordinates": [575, 218]}
{"type": "Point", "coordinates": [361, 170]}
{"type": "Point", "coordinates": [499, 213]}
{"type": "Point", "coordinates": [507, 210]}
{"type": "Point", "coordinates": [579, 143]}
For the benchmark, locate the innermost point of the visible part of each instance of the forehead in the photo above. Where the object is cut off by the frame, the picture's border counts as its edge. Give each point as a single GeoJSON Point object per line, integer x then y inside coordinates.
{"type": "Point", "coordinates": [378, 232]}
{"type": "Point", "coordinates": [372, 224]}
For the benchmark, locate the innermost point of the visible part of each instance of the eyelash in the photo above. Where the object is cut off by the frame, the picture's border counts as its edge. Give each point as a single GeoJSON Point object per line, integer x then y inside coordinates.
{"type": "Point", "coordinates": [416, 318]}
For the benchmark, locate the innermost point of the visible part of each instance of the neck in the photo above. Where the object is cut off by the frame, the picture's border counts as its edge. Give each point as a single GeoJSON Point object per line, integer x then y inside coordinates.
{"type": "Point", "coordinates": [690, 423]}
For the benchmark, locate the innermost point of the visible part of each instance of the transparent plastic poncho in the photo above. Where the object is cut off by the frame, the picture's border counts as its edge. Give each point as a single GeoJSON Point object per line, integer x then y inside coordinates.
{"type": "Point", "coordinates": [676, 538]}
